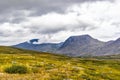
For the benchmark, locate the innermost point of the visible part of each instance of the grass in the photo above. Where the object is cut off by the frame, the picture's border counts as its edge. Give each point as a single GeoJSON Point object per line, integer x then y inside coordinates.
{"type": "Point", "coordinates": [45, 66]}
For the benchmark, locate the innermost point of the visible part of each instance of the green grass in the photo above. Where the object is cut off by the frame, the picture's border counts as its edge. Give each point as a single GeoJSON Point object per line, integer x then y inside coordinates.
{"type": "Point", "coordinates": [45, 66]}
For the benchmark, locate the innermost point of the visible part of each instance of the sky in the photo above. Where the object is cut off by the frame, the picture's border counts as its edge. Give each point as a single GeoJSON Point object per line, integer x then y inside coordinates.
{"type": "Point", "coordinates": [56, 20]}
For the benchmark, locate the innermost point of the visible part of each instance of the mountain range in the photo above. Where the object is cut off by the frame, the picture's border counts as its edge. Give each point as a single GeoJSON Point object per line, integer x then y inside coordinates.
{"type": "Point", "coordinates": [83, 45]}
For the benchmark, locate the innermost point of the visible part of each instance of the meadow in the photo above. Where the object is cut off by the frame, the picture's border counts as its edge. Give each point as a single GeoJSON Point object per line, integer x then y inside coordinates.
{"type": "Point", "coordinates": [46, 66]}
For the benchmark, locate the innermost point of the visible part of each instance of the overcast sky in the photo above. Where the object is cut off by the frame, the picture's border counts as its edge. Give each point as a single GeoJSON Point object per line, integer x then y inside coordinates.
{"type": "Point", "coordinates": [56, 20]}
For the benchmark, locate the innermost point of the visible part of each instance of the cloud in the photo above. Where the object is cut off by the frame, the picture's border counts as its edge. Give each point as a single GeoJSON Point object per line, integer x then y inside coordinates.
{"type": "Point", "coordinates": [56, 22]}
{"type": "Point", "coordinates": [24, 20]}
{"type": "Point", "coordinates": [40, 6]}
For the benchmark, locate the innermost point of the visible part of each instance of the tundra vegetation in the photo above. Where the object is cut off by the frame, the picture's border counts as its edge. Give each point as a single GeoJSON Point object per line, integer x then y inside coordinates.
{"type": "Point", "coordinates": [18, 64]}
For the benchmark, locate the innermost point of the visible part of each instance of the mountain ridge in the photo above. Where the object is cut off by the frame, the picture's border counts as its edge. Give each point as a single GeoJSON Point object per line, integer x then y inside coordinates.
{"type": "Point", "coordinates": [82, 45]}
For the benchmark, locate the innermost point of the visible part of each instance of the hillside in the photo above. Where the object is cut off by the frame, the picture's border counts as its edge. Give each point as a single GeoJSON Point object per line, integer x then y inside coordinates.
{"type": "Point", "coordinates": [45, 66]}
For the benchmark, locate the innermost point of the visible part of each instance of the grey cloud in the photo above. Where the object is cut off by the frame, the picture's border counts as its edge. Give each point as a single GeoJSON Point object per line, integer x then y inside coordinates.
{"type": "Point", "coordinates": [56, 29]}
{"type": "Point", "coordinates": [46, 30]}
{"type": "Point", "coordinates": [17, 20]}
{"type": "Point", "coordinates": [5, 33]}
{"type": "Point", "coordinates": [41, 6]}
{"type": "Point", "coordinates": [85, 26]}
{"type": "Point", "coordinates": [117, 24]}
{"type": "Point", "coordinates": [15, 16]}
{"type": "Point", "coordinates": [52, 31]}
{"type": "Point", "coordinates": [14, 20]}
{"type": "Point", "coordinates": [10, 9]}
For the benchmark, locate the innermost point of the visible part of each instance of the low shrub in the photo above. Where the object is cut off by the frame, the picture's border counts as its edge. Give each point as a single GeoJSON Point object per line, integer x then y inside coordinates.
{"type": "Point", "coordinates": [16, 69]}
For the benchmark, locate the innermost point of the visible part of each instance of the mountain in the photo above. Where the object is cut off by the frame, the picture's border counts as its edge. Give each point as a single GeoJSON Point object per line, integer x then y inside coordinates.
{"type": "Point", "coordinates": [44, 47]}
{"type": "Point", "coordinates": [110, 48]}
{"type": "Point", "coordinates": [80, 46]}
{"type": "Point", "coordinates": [83, 45]}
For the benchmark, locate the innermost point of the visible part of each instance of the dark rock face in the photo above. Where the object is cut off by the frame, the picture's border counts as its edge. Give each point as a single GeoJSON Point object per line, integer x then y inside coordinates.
{"type": "Point", "coordinates": [83, 45]}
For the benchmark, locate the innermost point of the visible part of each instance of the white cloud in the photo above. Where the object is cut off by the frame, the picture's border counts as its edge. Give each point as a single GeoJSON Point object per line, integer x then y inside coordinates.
{"type": "Point", "coordinates": [102, 15]}
{"type": "Point", "coordinates": [99, 19]}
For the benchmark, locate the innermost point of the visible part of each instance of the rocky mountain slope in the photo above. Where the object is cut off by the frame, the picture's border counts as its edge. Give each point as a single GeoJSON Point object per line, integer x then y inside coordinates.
{"type": "Point", "coordinates": [83, 45]}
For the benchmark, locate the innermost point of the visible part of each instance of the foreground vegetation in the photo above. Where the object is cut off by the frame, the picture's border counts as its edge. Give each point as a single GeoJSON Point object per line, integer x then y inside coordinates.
{"type": "Point", "coordinates": [18, 64]}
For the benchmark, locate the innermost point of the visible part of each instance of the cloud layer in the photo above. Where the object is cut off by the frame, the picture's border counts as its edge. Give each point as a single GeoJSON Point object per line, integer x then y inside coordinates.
{"type": "Point", "coordinates": [56, 20]}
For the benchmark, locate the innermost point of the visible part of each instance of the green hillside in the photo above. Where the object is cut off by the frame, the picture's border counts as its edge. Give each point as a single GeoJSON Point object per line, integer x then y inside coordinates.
{"type": "Point", "coordinates": [45, 66]}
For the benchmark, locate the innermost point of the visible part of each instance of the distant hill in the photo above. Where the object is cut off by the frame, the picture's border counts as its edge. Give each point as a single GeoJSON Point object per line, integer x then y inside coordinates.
{"type": "Point", "coordinates": [13, 50]}
{"type": "Point", "coordinates": [109, 48]}
{"type": "Point", "coordinates": [8, 50]}
{"type": "Point", "coordinates": [83, 45]}
{"type": "Point", "coordinates": [44, 47]}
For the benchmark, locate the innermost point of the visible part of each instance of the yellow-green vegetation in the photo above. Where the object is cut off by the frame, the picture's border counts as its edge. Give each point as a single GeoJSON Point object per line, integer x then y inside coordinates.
{"type": "Point", "coordinates": [45, 66]}
{"type": "Point", "coordinates": [16, 69]}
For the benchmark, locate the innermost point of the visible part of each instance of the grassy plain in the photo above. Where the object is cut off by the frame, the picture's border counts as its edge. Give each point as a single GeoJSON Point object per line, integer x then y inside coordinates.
{"type": "Point", "coordinates": [45, 66]}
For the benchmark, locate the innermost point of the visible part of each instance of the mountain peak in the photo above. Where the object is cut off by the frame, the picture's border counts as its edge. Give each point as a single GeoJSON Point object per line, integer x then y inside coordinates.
{"type": "Point", "coordinates": [79, 38]}
{"type": "Point", "coordinates": [118, 39]}
{"type": "Point", "coordinates": [82, 36]}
